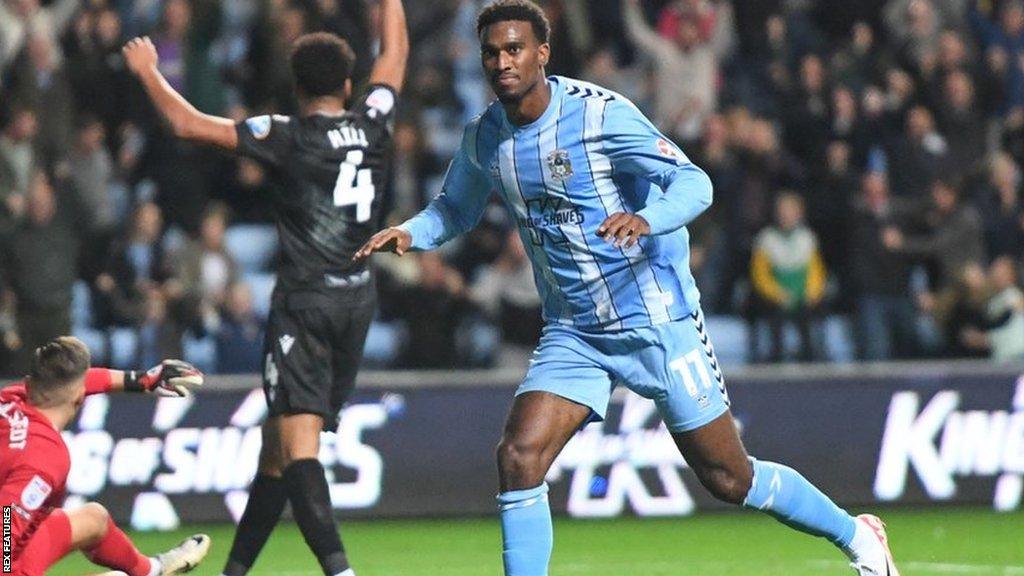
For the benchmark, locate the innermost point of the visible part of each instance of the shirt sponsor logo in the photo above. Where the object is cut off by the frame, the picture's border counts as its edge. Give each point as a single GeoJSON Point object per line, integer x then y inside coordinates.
{"type": "Point", "coordinates": [35, 493]}
{"type": "Point", "coordinates": [549, 212]}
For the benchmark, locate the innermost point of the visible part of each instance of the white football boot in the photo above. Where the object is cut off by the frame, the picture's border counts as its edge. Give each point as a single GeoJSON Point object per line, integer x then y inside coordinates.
{"type": "Point", "coordinates": [185, 556]}
{"type": "Point", "coordinates": [873, 558]}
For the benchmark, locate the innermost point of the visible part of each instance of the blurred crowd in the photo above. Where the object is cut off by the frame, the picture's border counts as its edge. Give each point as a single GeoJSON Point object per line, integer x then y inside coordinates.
{"type": "Point", "coordinates": [866, 158]}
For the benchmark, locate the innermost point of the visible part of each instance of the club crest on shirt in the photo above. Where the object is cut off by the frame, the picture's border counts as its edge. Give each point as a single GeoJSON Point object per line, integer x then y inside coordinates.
{"type": "Point", "coordinates": [35, 493]}
{"type": "Point", "coordinates": [559, 165]}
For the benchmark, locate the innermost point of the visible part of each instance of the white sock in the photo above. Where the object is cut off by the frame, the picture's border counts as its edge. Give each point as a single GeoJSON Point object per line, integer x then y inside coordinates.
{"type": "Point", "coordinates": [865, 543]}
{"type": "Point", "coordinates": [155, 567]}
{"type": "Point", "coordinates": [348, 572]}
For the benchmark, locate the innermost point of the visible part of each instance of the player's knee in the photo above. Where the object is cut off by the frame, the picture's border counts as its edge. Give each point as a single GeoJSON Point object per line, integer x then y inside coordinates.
{"type": "Point", "coordinates": [95, 520]}
{"type": "Point", "coordinates": [727, 485]}
{"type": "Point", "coordinates": [519, 463]}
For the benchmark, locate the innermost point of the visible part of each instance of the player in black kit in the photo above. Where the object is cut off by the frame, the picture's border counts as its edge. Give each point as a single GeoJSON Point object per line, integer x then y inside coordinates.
{"type": "Point", "coordinates": [332, 163]}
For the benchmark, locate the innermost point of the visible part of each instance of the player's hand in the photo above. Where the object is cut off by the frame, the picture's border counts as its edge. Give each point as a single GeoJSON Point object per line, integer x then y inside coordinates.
{"type": "Point", "coordinates": [623, 229]}
{"type": "Point", "coordinates": [387, 240]}
{"type": "Point", "coordinates": [140, 55]}
{"type": "Point", "coordinates": [172, 378]}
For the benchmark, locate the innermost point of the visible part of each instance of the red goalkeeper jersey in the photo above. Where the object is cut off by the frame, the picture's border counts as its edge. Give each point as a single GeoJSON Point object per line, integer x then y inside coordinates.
{"type": "Point", "coordinates": [34, 460]}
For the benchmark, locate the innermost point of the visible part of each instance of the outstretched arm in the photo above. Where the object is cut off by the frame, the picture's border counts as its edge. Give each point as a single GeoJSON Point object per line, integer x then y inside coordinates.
{"type": "Point", "coordinates": [186, 121]}
{"type": "Point", "coordinates": [389, 69]}
{"type": "Point", "coordinates": [169, 378]}
{"type": "Point", "coordinates": [455, 210]}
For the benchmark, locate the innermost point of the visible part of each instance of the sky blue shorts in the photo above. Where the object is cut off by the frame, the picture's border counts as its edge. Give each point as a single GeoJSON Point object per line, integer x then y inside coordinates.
{"type": "Point", "coordinates": [673, 364]}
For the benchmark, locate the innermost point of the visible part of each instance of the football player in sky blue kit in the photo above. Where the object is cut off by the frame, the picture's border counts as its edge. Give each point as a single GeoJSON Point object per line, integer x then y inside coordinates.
{"type": "Point", "coordinates": [602, 200]}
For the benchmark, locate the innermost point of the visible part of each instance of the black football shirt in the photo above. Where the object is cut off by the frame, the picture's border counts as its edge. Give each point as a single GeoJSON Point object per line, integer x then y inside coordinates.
{"type": "Point", "coordinates": [332, 172]}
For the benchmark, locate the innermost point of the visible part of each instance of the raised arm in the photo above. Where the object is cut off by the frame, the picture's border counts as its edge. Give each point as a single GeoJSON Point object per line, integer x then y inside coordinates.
{"type": "Point", "coordinates": [185, 120]}
{"type": "Point", "coordinates": [640, 33]}
{"type": "Point", "coordinates": [389, 68]}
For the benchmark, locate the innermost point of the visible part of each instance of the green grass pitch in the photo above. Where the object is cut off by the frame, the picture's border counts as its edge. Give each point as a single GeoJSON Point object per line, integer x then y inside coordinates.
{"type": "Point", "coordinates": [933, 542]}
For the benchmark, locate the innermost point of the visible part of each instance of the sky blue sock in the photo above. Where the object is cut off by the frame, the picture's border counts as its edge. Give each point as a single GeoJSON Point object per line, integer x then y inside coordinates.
{"type": "Point", "coordinates": [786, 495]}
{"type": "Point", "coordinates": [526, 531]}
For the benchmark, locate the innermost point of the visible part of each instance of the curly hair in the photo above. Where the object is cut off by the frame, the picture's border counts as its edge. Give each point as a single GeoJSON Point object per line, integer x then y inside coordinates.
{"type": "Point", "coordinates": [321, 63]}
{"type": "Point", "coordinates": [523, 10]}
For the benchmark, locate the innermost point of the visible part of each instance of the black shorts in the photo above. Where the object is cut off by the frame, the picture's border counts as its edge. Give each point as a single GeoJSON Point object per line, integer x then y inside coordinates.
{"type": "Point", "coordinates": [313, 347]}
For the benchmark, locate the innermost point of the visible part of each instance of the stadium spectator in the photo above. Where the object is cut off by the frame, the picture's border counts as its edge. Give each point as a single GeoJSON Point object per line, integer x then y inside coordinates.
{"type": "Point", "coordinates": [506, 292]}
{"type": "Point", "coordinates": [1001, 208]}
{"type": "Point", "coordinates": [960, 312]}
{"type": "Point", "coordinates": [20, 19]}
{"type": "Point", "coordinates": [434, 307]}
{"type": "Point", "coordinates": [17, 160]}
{"type": "Point", "coordinates": [953, 237]}
{"type": "Point", "coordinates": [788, 276]}
{"type": "Point", "coordinates": [915, 27]}
{"type": "Point", "coordinates": [919, 157]}
{"type": "Point", "coordinates": [91, 170]}
{"type": "Point", "coordinates": [806, 112]}
{"type": "Point", "coordinates": [846, 126]}
{"type": "Point", "coordinates": [829, 199]}
{"type": "Point", "coordinates": [1003, 336]}
{"type": "Point", "coordinates": [857, 63]}
{"type": "Point", "coordinates": [10, 342]}
{"type": "Point", "coordinates": [136, 268]}
{"type": "Point", "coordinates": [686, 66]}
{"type": "Point", "coordinates": [240, 335]}
{"type": "Point", "coordinates": [961, 120]}
{"type": "Point", "coordinates": [42, 83]}
{"type": "Point", "coordinates": [812, 100]}
{"type": "Point", "coordinates": [602, 69]}
{"type": "Point", "coordinates": [96, 70]}
{"type": "Point", "coordinates": [885, 320]}
{"type": "Point", "coordinates": [205, 270]}
{"type": "Point", "coordinates": [1006, 311]}
{"type": "Point", "coordinates": [42, 265]}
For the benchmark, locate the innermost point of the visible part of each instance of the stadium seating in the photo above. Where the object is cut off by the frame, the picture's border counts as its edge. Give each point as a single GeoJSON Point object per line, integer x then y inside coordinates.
{"type": "Point", "coordinates": [262, 286]}
{"type": "Point", "coordinates": [202, 352]}
{"type": "Point", "coordinates": [253, 246]}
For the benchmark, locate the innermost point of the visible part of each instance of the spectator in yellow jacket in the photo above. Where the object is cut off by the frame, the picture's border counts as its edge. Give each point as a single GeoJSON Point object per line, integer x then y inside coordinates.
{"type": "Point", "coordinates": [788, 275]}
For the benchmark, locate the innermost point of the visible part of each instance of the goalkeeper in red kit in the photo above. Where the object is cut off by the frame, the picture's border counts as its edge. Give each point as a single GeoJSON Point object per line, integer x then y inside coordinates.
{"type": "Point", "coordinates": [34, 465]}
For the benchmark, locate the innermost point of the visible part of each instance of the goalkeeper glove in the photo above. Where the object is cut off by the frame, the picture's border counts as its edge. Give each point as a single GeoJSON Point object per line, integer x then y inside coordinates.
{"type": "Point", "coordinates": [169, 378]}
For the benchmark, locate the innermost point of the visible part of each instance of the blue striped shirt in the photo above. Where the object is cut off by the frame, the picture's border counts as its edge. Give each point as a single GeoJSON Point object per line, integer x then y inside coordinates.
{"type": "Point", "coordinates": [591, 154]}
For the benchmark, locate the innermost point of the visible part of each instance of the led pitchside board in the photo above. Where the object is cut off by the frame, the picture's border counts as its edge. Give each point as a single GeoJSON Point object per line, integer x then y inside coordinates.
{"type": "Point", "coordinates": [867, 440]}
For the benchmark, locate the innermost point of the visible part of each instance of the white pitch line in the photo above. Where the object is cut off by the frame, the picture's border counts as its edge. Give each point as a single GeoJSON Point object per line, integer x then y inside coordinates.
{"type": "Point", "coordinates": [914, 567]}
{"type": "Point", "coordinates": [943, 567]}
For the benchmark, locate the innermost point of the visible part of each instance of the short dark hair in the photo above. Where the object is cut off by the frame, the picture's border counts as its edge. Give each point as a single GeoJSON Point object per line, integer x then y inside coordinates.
{"type": "Point", "coordinates": [523, 10]}
{"type": "Point", "coordinates": [55, 365]}
{"type": "Point", "coordinates": [321, 63]}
